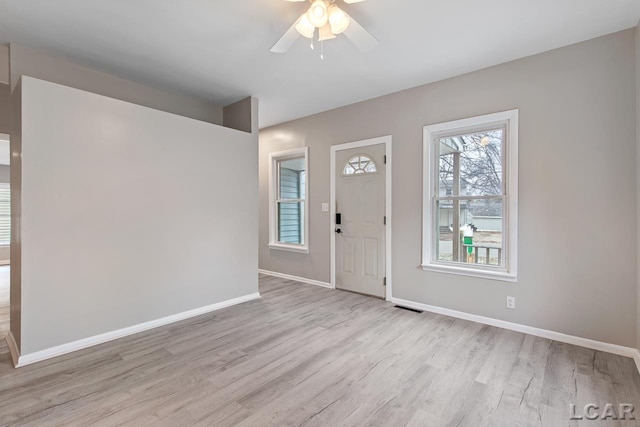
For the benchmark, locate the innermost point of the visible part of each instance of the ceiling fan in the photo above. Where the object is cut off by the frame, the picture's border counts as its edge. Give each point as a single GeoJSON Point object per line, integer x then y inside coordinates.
{"type": "Point", "coordinates": [329, 20]}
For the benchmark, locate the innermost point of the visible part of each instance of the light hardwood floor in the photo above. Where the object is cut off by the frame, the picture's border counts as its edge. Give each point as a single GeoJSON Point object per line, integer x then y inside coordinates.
{"type": "Point", "coordinates": [4, 301]}
{"type": "Point", "coordinates": [305, 355]}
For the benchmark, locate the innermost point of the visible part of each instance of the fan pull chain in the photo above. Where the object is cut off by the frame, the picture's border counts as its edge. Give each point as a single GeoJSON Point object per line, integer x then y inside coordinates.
{"type": "Point", "coordinates": [322, 50]}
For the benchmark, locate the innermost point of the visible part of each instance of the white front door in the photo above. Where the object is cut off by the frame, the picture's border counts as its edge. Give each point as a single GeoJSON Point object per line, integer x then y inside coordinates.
{"type": "Point", "coordinates": [360, 206]}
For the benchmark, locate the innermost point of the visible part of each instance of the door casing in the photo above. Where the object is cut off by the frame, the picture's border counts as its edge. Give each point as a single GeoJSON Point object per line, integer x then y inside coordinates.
{"type": "Point", "coordinates": [387, 141]}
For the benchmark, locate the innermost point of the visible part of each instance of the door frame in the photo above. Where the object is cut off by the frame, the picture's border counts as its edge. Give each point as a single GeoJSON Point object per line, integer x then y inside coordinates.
{"type": "Point", "coordinates": [387, 141]}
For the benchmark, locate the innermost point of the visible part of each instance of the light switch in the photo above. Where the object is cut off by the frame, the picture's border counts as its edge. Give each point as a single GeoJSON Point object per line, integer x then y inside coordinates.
{"type": "Point", "coordinates": [325, 207]}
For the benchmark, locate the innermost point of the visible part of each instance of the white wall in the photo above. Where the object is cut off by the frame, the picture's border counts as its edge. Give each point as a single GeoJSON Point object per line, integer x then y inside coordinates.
{"type": "Point", "coordinates": [110, 238]}
{"type": "Point", "coordinates": [577, 270]}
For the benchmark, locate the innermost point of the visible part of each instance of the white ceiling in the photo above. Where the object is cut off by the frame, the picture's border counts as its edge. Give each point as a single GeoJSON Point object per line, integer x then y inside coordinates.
{"type": "Point", "coordinates": [219, 49]}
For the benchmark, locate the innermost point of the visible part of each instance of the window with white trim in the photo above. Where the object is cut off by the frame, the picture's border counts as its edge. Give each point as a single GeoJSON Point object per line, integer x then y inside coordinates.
{"type": "Point", "coordinates": [470, 200]}
{"type": "Point", "coordinates": [289, 188]}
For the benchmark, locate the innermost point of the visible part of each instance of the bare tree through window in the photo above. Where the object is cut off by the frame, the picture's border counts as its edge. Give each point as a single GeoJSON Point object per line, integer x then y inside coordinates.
{"type": "Point", "coordinates": [471, 173]}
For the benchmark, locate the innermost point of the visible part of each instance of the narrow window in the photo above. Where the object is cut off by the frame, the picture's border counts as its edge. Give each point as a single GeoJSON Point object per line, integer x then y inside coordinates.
{"type": "Point", "coordinates": [288, 199]}
{"type": "Point", "coordinates": [470, 196]}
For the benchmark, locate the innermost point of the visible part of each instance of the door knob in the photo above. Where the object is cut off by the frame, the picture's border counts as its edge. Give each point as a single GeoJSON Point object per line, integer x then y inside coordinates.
{"type": "Point", "coordinates": [338, 231]}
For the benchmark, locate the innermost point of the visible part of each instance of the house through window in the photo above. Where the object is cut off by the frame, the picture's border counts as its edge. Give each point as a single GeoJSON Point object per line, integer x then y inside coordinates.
{"type": "Point", "coordinates": [291, 202]}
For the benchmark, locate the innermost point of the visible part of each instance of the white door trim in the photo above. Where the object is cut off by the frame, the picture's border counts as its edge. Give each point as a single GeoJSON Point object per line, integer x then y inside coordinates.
{"type": "Point", "coordinates": [387, 140]}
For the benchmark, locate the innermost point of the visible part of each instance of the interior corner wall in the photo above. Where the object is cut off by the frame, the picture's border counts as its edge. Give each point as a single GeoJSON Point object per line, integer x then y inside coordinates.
{"type": "Point", "coordinates": [110, 239]}
{"type": "Point", "coordinates": [24, 61]}
{"type": "Point", "coordinates": [238, 115]}
{"type": "Point", "coordinates": [577, 190]}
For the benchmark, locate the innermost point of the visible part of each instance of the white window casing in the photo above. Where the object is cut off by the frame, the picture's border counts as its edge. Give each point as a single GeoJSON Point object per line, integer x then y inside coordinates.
{"type": "Point", "coordinates": [279, 239]}
{"type": "Point", "coordinates": [507, 271]}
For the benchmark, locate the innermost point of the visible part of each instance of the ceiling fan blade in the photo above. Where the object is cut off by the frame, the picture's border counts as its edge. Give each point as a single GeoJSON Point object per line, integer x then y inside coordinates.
{"type": "Point", "coordinates": [346, 1]}
{"type": "Point", "coordinates": [287, 40]}
{"type": "Point", "coordinates": [359, 36]}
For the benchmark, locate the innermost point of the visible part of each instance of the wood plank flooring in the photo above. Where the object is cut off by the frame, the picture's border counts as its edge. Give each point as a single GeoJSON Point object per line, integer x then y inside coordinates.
{"type": "Point", "coordinates": [308, 356]}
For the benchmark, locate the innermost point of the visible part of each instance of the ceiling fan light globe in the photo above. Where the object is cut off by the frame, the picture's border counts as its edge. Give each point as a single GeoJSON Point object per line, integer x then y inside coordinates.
{"type": "Point", "coordinates": [338, 20]}
{"type": "Point", "coordinates": [318, 14]}
{"type": "Point", "coordinates": [305, 27]}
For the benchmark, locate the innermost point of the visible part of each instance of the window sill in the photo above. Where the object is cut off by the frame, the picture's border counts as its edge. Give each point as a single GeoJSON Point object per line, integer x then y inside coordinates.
{"type": "Point", "coordinates": [289, 248]}
{"type": "Point", "coordinates": [470, 272]}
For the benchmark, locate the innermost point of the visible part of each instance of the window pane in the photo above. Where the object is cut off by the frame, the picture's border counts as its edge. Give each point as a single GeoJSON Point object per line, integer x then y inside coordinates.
{"type": "Point", "coordinates": [444, 233]}
{"type": "Point", "coordinates": [475, 159]}
{"type": "Point", "coordinates": [293, 164]}
{"type": "Point", "coordinates": [446, 175]}
{"type": "Point", "coordinates": [479, 231]}
{"type": "Point", "coordinates": [302, 176]}
{"type": "Point", "coordinates": [292, 178]}
{"type": "Point", "coordinates": [291, 222]}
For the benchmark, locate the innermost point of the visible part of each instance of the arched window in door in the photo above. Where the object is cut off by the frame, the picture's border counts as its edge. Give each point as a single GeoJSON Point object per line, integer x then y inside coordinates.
{"type": "Point", "coordinates": [360, 164]}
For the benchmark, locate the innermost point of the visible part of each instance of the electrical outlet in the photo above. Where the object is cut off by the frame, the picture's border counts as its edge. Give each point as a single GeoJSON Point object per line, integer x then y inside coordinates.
{"type": "Point", "coordinates": [511, 303]}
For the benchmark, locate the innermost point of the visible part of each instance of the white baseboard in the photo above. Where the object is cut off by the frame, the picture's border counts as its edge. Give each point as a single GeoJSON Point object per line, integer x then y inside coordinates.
{"type": "Point", "coordinates": [544, 333]}
{"type": "Point", "coordinates": [38, 356]}
{"type": "Point", "coordinates": [13, 348]}
{"type": "Point", "coordinates": [296, 278]}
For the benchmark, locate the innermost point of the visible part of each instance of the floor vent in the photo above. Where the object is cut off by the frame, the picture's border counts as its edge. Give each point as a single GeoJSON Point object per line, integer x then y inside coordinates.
{"type": "Point", "coordinates": [409, 309]}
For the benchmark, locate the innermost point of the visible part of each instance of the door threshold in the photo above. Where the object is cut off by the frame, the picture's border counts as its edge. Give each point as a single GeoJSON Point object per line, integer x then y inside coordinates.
{"type": "Point", "coordinates": [360, 293]}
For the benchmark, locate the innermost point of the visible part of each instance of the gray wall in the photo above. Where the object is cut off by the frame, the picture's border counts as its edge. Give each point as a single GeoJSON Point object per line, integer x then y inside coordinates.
{"type": "Point", "coordinates": [577, 272]}
{"type": "Point", "coordinates": [5, 109]}
{"type": "Point", "coordinates": [638, 174]}
{"type": "Point", "coordinates": [238, 115]}
{"type": "Point", "coordinates": [36, 64]}
{"type": "Point", "coordinates": [4, 64]}
{"type": "Point", "coordinates": [5, 124]}
{"type": "Point", "coordinates": [109, 239]}
{"type": "Point", "coordinates": [5, 177]}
